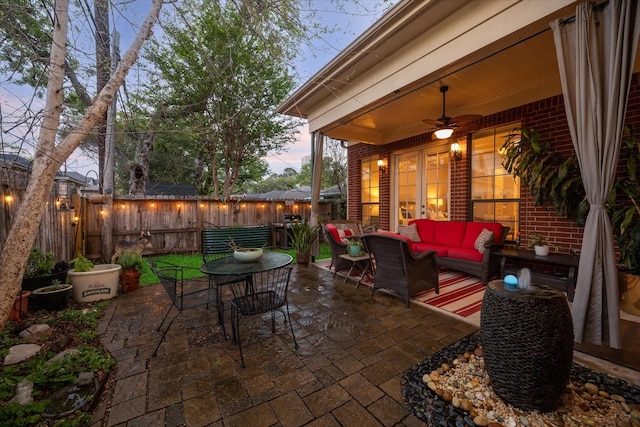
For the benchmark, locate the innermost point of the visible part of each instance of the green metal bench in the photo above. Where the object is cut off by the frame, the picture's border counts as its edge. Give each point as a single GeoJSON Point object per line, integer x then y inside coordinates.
{"type": "Point", "coordinates": [217, 240]}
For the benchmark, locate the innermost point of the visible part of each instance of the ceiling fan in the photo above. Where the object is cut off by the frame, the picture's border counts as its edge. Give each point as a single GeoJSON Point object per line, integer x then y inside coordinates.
{"type": "Point", "coordinates": [445, 125]}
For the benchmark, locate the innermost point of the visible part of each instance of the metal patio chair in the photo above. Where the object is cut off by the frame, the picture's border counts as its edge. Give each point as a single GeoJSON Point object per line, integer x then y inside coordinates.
{"type": "Point", "coordinates": [266, 292]}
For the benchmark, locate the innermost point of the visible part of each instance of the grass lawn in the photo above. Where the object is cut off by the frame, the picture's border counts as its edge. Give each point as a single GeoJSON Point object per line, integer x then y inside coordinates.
{"type": "Point", "coordinates": [195, 260]}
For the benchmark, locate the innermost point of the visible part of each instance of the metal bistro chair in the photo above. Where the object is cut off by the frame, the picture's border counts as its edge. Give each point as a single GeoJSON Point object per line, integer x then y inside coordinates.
{"type": "Point", "coordinates": [186, 288]}
{"type": "Point", "coordinates": [266, 292]}
{"type": "Point", "coordinates": [213, 249]}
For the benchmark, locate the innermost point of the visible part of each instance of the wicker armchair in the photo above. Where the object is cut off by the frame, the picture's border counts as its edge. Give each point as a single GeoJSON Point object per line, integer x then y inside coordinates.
{"type": "Point", "coordinates": [399, 270]}
{"type": "Point", "coordinates": [337, 248]}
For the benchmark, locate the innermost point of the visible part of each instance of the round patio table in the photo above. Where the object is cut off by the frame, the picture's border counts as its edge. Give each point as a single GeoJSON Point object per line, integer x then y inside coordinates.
{"type": "Point", "coordinates": [228, 266]}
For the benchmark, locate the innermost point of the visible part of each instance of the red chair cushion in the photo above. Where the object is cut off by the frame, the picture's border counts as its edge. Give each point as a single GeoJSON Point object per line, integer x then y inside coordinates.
{"type": "Point", "coordinates": [450, 233]}
{"type": "Point", "coordinates": [426, 229]}
{"type": "Point", "coordinates": [475, 228]}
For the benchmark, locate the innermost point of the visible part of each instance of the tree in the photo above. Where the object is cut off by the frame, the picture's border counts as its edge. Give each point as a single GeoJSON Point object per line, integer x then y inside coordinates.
{"type": "Point", "coordinates": [50, 156]}
{"type": "Point", "coordinates": [334, 167]}
{"type": "Point", "coordinates": [224, 68]}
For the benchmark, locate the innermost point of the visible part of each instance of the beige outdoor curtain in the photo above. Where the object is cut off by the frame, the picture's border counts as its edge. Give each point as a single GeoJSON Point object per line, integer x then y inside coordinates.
{"type": "Point", "coordinates": [317, 143]}
{"type": "Point", "coordinates": [595, 53]}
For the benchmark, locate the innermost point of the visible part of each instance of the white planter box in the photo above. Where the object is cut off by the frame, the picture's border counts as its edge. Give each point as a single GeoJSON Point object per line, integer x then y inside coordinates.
{"type": "Point", "coordinates": [97, 284]}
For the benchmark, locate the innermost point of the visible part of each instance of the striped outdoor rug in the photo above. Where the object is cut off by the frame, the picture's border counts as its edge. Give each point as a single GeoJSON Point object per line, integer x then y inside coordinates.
{"type": "Point", "coordinates": [460, 295]}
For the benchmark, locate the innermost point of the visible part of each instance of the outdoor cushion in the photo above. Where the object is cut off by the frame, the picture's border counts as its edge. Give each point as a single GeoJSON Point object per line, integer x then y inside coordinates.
{"type": "Point", "coordinates": [411, 231]}
{"type": "Point", "coordinates": [450, 233]}
{"type": "Point", "coordinates": [344, 234]}
{"type": "Point", "coordinates": [484, 237]}
{"type": "Point", "coordinates": [466, 254]}
{"type": "Point", "coordinates": [426, 229]}
{"type": "Point", "coordinates": [441, 251]}
{"type": "Point", "coordinates": [334, 232]}
{"type": "Point", "coordinates": [475, 228]}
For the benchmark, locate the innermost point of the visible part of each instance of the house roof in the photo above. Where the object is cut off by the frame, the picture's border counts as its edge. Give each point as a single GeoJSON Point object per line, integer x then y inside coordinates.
{"type": "Point", "coordinates": [23, 163]}
{"type": "Point", "coordinates": [493, 56]}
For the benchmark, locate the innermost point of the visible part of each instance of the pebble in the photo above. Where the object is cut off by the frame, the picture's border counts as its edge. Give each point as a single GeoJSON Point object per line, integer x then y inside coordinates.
{"type": "Point", "coordinates": [591, 388]}
{"type": "Point", "coordinates": [434, 375]}
{"type": "Point", "coordinates": [495, 425]}
{"type": "Point", "coordinates": [466, 404]}
{"type": "Point", "coordinates": [445, 367]}
{"type": "Point", "coordinates": [617, 398]}
{"type": "Point", "coordinates": [432, 386]}
{"type": "Point", "coordinates": [447, 395]}
{"type": "Point", "coordinates": [455, 401]}
{"type": "Point", "coordinates": [481, 421]}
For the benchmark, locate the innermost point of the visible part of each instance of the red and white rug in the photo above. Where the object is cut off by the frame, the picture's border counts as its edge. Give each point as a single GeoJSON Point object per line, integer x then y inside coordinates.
{"type": "Point", "coordinates": [460, 295]}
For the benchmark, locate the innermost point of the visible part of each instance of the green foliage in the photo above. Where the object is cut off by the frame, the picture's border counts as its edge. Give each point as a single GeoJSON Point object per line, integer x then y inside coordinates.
{"type": "Point", "coordinates": [81, 264]}
{"type": "Point", "coordinates": [303, 236]}
{"type": "Point", "coordinates": [553, 181]}
{"type": "Point", "coordinates": [223, 73]}
{"type": "Point", "coordinates": [14, 414]}
{"type": "Point", "coordinates": [39, 263]}
{"type": "Point", "coordinates": [130, 259]}
{"type": "Point", "coordinates": [556, 182]}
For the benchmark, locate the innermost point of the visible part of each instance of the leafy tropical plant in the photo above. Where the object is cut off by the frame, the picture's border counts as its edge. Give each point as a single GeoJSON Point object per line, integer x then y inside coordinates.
{"type": "Point", "coordinates": [556, 182]}
{"type": "Point", "coordinates": [39, 263]}
{"type": "Point", "coordinates": [303, 235]}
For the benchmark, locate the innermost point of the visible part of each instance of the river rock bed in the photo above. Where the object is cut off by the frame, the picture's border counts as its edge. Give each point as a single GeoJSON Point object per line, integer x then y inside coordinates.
{"type": "Point", "coordinates": [452, 388]}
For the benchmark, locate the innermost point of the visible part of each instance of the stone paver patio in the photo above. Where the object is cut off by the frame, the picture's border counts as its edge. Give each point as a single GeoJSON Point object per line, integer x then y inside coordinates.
{"type": "Point", "coordinates": [353, 351]}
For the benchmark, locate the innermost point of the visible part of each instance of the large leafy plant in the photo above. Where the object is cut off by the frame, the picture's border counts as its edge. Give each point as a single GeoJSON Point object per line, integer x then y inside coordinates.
{"type": "Point", "coordinates": [39, 263]}
{"type": "Point", "coordinates": [303, 235]}
{"type": "Point", "coordinates": [555, 182]}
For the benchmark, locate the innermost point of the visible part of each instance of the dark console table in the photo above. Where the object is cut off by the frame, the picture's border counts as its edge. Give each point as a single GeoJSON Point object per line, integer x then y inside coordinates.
{"type": "Point", "coordinates": [564, 282]}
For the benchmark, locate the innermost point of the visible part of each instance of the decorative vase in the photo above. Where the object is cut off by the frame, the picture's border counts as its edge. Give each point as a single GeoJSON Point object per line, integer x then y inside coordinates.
{"type": "Point", "coordinates": [95, 285]}
{"type": "Point", "coordinates": [50, 298]}
{"type": "Point", "coordinates": [130, 280]}
{"type": "Point", "coordinates": [541, 250]}
{"type": "Point", "coordinates": [629, 288]}
{"type": "Point", "coordinates": [20, 306]}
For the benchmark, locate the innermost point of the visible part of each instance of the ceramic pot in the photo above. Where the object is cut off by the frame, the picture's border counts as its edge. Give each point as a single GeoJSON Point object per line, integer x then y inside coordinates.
{"type": "Point", "coordinates": [541, 250]}
{"type": "Point", "coordinates": [354, 250]}
{"type": "Point", "coordinates": [247, 254]}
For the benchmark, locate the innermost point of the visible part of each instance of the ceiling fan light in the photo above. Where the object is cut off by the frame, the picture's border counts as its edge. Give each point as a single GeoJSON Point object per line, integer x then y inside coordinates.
{"type": "Point", "coordinates": [444, 133]}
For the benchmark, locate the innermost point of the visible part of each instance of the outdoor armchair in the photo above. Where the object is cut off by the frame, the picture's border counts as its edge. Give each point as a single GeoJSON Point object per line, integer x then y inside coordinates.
{"type": "Point", "coordinates": [399, 270]}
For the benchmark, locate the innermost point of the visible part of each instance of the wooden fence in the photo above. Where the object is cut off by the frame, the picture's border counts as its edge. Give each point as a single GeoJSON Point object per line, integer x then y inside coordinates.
{"type": "Point", "coordinates": [175, 224]}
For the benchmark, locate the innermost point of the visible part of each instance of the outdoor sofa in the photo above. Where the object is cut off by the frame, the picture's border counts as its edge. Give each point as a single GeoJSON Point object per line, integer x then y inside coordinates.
{"type": "Point", "coordinates": [460, 245]}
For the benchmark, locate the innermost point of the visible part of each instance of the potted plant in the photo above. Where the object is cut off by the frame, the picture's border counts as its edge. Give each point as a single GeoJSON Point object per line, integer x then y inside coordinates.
{"type": "Point", "coordinates": [302, 237]}
{"type": "Point", "coordinates": [41, 270]}
{"type": "Point", "coordinates": [52, 297]}
{"type": "Point", "coordinates": [132, 265]}
{"type": "Point", "coordinates": [354, 247]}
{"type": "Point", "coordinates": [540, 244]}
{"type": "Point", "coordinates": [93, 282]}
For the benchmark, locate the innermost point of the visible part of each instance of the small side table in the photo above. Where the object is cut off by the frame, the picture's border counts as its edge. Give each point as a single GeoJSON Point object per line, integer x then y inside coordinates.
{"type": "Point", "coordinates": [363, 260]}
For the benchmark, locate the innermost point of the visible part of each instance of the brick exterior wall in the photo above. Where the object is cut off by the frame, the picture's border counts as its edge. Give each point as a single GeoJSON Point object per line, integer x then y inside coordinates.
{"type": "Point", "coordinates": [547, 116]}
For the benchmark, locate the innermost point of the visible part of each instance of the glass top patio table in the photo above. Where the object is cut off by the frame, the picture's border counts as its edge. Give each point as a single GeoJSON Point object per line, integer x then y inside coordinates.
{"type": "Point", "coordinates": [228, 266]}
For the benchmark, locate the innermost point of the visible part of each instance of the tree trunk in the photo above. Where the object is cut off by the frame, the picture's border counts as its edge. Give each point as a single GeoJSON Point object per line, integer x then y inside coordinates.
{"type": "Point", "coordinates": [49, 157]}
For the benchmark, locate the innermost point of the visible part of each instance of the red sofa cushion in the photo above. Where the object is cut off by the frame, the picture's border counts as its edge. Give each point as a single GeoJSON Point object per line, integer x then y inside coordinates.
{"type": "Point", "coordinates": [426, 229]}
{"type": "Point", "coordinates": [475, 228]}
{"type": "Point", "coordinates": [466, 254]}
{"type": "Point", "coordinates": [450, 233]}
{"type": "Point", "coordinates": [334, 232]}
{"type": "Point", "coordinates": [441, 251]}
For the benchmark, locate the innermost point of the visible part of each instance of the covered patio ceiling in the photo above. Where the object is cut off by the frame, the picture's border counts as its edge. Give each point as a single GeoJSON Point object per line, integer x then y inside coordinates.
{"type": "Point", "coordinates": [512, 71]}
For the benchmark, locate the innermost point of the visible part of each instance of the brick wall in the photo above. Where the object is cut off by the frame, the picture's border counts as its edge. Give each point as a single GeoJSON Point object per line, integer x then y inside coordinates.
{"type": "Point", "coordinates": [547, 116]}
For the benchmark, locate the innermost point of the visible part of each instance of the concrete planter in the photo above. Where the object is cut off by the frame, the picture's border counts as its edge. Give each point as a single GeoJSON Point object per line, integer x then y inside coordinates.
{"type": "Point", "coordinates": [98, 284]}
